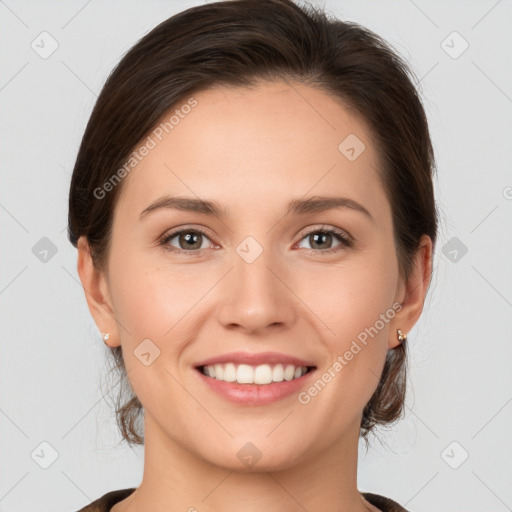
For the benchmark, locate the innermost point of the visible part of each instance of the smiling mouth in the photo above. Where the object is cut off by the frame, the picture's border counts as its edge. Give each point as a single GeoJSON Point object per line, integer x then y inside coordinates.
{"type": "Point", "coordinates": [263, 374]}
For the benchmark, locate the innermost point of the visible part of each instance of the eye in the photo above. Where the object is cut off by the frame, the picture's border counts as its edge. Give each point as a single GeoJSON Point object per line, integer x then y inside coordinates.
{"type": "Point", "coordinates": [189, 241]}
{"type": "Point", "coordinates": [320, 238]}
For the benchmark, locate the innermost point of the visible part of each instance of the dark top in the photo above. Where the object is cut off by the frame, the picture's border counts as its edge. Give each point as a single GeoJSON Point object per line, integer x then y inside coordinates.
{"type": "Point", "coordinates": [107, 501]}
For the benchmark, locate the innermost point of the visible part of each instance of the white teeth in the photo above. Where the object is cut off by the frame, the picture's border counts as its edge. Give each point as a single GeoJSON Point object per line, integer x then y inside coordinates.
{"type": "Point", "coordinates": [261, 374]}
{"type": "Point", "coordinates": [229, 372]}
{"type": "Point", "coordinates": [219, 371]}
{"type": "Point", "coordinates": [278, 373]}
{"type": "Point", "coordinates": [289, 372]}
{"type": "Point", "coordinates": [244, 374]}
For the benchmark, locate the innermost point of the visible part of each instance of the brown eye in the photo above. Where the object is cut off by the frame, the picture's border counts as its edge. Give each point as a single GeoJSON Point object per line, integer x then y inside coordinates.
{"type": "Point", "coordinates": [188, 240]}
{"type": "Point", "coordinates": [321, 240]}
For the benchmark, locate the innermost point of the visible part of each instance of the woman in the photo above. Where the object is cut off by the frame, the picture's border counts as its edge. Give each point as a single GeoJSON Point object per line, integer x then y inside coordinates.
{"type": "Point", "coordinates": [229, 145]}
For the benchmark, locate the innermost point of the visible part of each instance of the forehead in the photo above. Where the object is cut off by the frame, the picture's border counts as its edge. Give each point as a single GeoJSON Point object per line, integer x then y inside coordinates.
{"type": "Point", "coordinates": [252, 146]}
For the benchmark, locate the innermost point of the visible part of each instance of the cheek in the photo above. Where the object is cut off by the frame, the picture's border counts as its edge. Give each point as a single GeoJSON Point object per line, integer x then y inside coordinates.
{"type": "Point", "coordinates": [349, 298]}
{"type": "Point", "coordinates": [151, 301]}
{"type": "Point", "coordinates": [354, 306]}
{"type": "Point", "coordinates": [358, 311]}
{"type": "Point", "coordinates": [150, 296]}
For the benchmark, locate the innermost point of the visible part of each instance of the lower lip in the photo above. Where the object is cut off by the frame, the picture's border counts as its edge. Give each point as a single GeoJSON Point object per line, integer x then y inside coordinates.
{"type": "Point", "coordinates": [255, 394]}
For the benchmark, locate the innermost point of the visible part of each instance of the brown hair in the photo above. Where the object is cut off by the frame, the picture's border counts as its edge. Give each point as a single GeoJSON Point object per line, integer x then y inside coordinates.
{"type": "Point", "coordinates": [239, 43]}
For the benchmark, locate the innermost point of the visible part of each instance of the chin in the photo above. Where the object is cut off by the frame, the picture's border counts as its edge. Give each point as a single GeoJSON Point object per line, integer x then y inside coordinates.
{"type": "Point", "coordinates": [255, 457]}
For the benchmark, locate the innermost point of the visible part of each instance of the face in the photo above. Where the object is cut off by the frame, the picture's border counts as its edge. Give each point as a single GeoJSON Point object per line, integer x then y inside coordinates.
{"type": "Point", "coordinates": [318, 284]}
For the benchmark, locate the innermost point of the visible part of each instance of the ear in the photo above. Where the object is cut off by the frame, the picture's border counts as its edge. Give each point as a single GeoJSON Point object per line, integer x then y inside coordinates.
{"type": "Point", "coordinates": [96, 293]}
{"type": "Point", "coordinates": [412, 293]}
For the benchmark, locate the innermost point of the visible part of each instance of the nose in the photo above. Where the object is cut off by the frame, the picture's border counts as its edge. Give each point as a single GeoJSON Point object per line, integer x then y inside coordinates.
{"type": "Point", "coordinates": [257, 297]}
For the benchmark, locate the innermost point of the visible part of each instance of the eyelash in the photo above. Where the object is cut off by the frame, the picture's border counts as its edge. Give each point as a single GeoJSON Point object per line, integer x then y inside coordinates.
{"type": "Point", "coordinates": [341, 236]}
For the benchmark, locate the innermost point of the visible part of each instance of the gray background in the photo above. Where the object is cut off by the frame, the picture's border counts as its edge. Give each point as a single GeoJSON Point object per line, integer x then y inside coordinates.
{"type": "Point", "coordinates": [53, 369]}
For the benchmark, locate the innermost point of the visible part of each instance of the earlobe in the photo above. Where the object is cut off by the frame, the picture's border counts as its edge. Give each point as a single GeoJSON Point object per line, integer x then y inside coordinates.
{"type": "Point", "coordinates": [416, 289]}
{"type": "Point", "coordinates": [96, 294]}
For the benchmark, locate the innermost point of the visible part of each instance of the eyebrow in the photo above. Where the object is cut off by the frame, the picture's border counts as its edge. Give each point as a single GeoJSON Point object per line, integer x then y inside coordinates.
{"type": "Point", "coordinates": [313, 204]}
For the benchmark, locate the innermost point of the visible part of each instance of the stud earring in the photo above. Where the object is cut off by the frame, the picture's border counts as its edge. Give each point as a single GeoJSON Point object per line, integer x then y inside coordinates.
{"type": "Point", "coordinates": [401, 336]}
{"type": "Point", "coordinates": [106, 336]}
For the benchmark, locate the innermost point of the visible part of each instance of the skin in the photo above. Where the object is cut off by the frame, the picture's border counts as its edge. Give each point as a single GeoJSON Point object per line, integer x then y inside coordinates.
{"type": "Point", "coordinates": [252, 151]}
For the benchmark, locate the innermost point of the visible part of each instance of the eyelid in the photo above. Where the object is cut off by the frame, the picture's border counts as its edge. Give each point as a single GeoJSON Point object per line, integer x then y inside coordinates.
{"type": "Point", "coordinates": [181, 229]}
{"type": "Point", "coordinates": [329, 229]}
{"type": "Point", "coordinates": [346, 240]}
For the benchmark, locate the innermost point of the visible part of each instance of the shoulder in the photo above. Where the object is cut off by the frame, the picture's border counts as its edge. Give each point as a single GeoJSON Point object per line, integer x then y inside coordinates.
{"type": "Point", "coordinates": [383, 503]}
{"type": "Point", "coordinates": [107, 501]}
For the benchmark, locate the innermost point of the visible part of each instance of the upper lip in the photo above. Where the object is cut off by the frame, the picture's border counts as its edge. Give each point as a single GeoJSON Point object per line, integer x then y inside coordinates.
{"type": "Point", "coordinates": [254, 359]}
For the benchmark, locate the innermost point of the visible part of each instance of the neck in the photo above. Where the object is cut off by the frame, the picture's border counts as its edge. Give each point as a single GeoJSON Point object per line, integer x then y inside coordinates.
{"type": "Point", "coordinates": [178, 478]}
